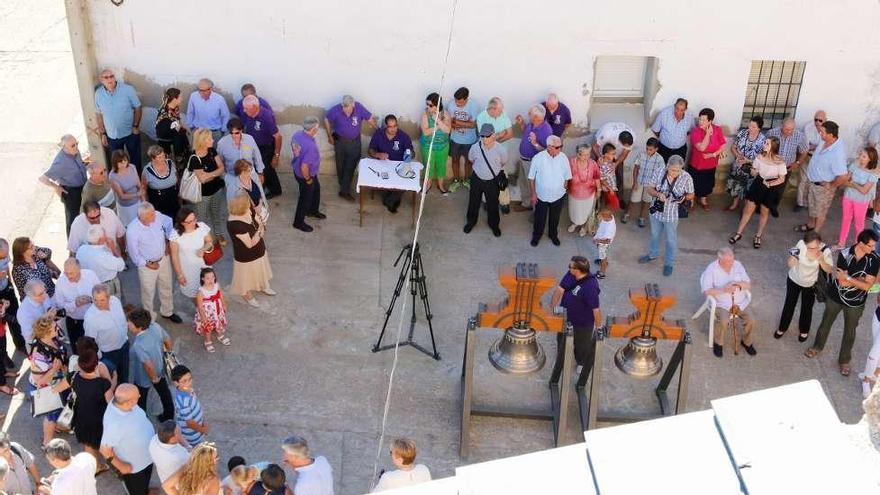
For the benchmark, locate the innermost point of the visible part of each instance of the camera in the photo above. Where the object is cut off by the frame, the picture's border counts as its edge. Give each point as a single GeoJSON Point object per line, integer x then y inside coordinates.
{"type": "Point", "coordinates": [656, 207]}
{"type": "Point", "coordinates": [794, 252]}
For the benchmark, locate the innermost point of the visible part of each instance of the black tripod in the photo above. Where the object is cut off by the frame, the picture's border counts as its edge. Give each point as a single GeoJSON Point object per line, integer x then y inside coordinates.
{"type": "Point", "coordinates": [412, 264]}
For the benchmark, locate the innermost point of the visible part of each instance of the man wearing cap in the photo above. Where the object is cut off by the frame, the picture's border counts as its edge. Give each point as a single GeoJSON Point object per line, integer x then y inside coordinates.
{"type": "Point", "coordinates": [390, 143]}
{"type": "Point", "coordinates": [489, 159]}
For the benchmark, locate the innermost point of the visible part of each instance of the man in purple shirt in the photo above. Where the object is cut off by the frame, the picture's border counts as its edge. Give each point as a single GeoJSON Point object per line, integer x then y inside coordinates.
{"type": "Point", "coordinates": [343, 124]}
{"type": "Point", "coordinates": [534, 140]}
{"type": "Point", "coordinates": [305, 163]}
{"type": "Point", "coordinates": [259, 123]}
{"type": "Point", "coordinates": [578, 292]}
{"type": "Point", "coordinates": [558, 115]}
{"type": "Point", "coordinates": [248, 89]}
{"type": "Point", "coordinates": [390, 143]}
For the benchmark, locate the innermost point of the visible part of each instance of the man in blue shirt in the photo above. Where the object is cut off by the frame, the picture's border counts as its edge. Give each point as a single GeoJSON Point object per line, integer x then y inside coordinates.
{"type": "Point", "coordinates": [148, 360]}
{"type": "Point", "coordinates": [118, 114]}
{"type": "Point", "coordinates": [126, 439]}
{"type": "Point", "coordinates": [390, 143]}
{"type": "Point", "coordinates": [207, 109]}
{"type": "Point", "coordinates": [826, 172]}
{"type": "Point", "coordinates": [305, 163]}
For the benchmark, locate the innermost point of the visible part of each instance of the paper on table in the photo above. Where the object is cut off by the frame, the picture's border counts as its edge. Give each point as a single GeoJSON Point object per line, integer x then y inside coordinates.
{"type": "Point", "coordinates": [370, 175]}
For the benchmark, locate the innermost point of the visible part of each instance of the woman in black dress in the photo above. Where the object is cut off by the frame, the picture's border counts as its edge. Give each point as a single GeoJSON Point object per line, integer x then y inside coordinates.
{"type": "Point", "coordinates": [170, 131]}
{"type": "Point", "coordinates": [93, 393]}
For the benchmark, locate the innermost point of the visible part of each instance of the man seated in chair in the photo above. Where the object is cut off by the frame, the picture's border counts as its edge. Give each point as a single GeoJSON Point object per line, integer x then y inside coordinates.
{"type": "Point", "coordinates": [726, 280]}
{"type": "Point", "coordinates": [390, 143]}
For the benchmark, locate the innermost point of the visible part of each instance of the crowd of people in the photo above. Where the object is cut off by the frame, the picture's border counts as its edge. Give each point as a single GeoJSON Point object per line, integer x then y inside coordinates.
{"type": "Point", "coordinates": [206, 185]}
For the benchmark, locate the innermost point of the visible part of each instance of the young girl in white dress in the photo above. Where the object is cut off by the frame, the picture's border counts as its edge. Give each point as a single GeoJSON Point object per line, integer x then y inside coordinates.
{"type": "Point", "coordinates": [210, 317]}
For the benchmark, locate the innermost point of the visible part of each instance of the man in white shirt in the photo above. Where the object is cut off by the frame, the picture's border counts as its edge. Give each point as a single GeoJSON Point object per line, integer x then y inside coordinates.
{"type": "Point", "coordinates": [166, 451]}
{"type": "Point", "coordinates": [97, 257]}
{"type": "Point", "coordinates": [95, 214]}
{"type": "Point", "coordinates": [36, 303]}
{"type": "Point", "coordinates": [74, 475]}
{"type": "Point", "coordinates": [73, 292]}
{"type": "Point", "coordinates": [726, 280]}
{"type": "Point", "coordinates": [105, 322]}
{"type": "Point", "coordinates": [147, 247]}
{"type": "Point", "coordinates": [621, 136]}
{"type": "Point", "coordinates": [314, 476]}
{"type": "Point", "coordinates": [548, 179]}
{"type": "Point", "coordinates": [126, 440]}
{"type": "Point", "coordinates": [812, 129]}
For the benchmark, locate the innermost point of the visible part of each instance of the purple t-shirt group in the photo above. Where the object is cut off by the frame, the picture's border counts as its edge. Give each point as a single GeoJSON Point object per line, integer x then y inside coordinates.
{"type": "Point", "coordinates": [261, 127]}
{"type": "Point", "coordinates": [580, 298]}
{"type": "Point", "coordinates": [542, 132]}
{"type": "Point", "coordinates": [308, 154]}
{"type": "Point", "coordinates": [348, 127]}
{"type": "Point", "coordinates": [395, 147]}
{"type": "Point", "coordinates": [558, 119]}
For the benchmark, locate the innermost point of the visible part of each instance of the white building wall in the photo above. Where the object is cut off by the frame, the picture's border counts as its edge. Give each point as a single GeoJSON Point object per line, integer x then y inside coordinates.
{"type": "Point", "coordinates": [389, 54]}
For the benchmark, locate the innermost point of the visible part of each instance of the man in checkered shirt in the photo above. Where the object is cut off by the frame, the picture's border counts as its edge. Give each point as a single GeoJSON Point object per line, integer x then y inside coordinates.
{"type": "Point", "coordinates": [669, 187]}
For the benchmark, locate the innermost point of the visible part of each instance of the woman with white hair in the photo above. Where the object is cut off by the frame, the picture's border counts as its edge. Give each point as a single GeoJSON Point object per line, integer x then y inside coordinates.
{"type": "Point", "coordinates": [671, 189]}
{"type": "Point", "coordinates": [582, 189]}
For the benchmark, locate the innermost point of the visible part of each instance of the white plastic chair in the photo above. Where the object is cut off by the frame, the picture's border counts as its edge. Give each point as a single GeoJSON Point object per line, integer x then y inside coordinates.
{"type": "Point", "coordinates": [711, 303]}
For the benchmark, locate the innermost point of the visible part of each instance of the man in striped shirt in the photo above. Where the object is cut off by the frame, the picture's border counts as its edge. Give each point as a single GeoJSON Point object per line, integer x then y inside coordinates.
{"type": "Point", "coordinates": [189, 416]}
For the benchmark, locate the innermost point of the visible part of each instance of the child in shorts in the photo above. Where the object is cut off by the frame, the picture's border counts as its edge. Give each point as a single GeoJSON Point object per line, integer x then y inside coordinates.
{"type": "Point", "coordinates": [644, 169]}
{"type": "Point", "coordinates": [603, 238]}
{"type": "Point", "coordinates": [607, 177]}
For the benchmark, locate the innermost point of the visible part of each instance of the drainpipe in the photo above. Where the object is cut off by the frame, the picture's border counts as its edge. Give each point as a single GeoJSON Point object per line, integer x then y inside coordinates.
{"type": "Point", "coordinates": [86, 70]}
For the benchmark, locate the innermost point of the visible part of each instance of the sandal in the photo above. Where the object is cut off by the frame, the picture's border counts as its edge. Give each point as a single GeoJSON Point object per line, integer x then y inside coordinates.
{"type": "Point", "coordinates": [734, 238]}
{"type": "Point", "coordinates": [778, 334]}
{"type": "Point", "coordinates": [845, 369]}
{"type": "Point", "coordinates": [224, 340]}
{"type": "Point", "coordinates": [756, 242]}
{"type": "Point", "coordinates": [803, 228]}
{"type": "Point", "coordinates": [802, 337]}
{"type": "Point", "coordinates": [811, 353]}
{"type": "Point", "coordinates": [6, 389]}
{"type": "Point", "coordinates": [209, 346]}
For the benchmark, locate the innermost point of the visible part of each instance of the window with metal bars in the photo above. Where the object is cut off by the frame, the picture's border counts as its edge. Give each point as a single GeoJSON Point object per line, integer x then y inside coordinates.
{"type": "Point", "coordinates": [773, 90]}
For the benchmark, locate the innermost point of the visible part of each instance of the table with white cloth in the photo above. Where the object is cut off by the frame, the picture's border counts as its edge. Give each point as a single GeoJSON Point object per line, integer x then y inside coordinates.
{"type": "Point", "coordinates": [370, 176]}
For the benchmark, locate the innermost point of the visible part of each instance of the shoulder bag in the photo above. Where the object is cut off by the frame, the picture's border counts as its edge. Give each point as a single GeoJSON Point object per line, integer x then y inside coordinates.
{"type": "Point", "coordinates": [500, 177]}
{"type": "Point", "coordinates": [65, 419]}
{"type": "Point", "coordinates": [214, 255]}
{"type": "Point", "coordinates": [170, 363]}
{"type": "Point", "coordinates": [190, 187]}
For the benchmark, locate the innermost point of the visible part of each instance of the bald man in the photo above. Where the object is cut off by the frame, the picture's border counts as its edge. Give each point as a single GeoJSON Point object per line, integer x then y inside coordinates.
{"type": "Point", "coordinates": [126, 439]}
{"type": "Point", "coordinates": [259, 123]}
{"type": "Point", "coordinates": [73, 292]}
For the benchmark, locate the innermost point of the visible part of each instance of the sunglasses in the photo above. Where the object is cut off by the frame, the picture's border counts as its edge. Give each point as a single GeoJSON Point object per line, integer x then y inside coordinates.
{"type": "Point", "coordinates": [94, 217]}
{"type": "Point", "coordinates": [555, 147]}
{"type": "Point", "coordinates": [235, 133]}
{"type": "Point", "coordinates": [818, 120]}
{"type": "Point", "coordinates": [430, 105]}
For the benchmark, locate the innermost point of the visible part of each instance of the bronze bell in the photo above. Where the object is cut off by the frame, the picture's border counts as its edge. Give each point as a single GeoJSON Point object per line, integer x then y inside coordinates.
{"type": "Point", "coordinates": [639, 357]}
{"type": "Point", "coordinates": [518, 351]}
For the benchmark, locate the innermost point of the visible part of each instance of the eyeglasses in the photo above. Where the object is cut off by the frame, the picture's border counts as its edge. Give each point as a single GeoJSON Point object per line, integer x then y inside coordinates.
{"type": "Point", "coordinates": [555, 147]}
{"type": "Point", "coordinates": [235, 133]}
{"type": "Point", "coordinates": [205, 90]}
{"type": "Point", "coordinates": [190, 220]}
{"type": "Point", "coordinates": [818, 120]}
{"type": "Point", "coordinates": [111, 76]}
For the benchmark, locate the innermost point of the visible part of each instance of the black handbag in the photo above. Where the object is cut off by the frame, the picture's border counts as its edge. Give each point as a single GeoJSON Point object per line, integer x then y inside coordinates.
{"type": "Point", "coordinates": [500, 177]}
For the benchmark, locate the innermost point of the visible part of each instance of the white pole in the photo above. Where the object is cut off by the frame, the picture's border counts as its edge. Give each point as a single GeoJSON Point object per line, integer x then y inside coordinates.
{"type": "Point", "coordinates": [86, 70]}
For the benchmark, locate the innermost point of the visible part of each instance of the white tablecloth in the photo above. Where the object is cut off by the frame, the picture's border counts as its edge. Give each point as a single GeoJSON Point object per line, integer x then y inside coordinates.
{"type": "Point", "coordinates": [368, 178]}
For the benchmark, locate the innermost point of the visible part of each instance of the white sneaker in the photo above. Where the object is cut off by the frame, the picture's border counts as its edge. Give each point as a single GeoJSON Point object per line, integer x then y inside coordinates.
{"type": "Point", "coordinates": [253, 302]}
{"type": "Point", "coordinates": [583, 231]}
{"type": "Point", "coordinates": [572, 228]}
{"type": "Point", "coordinates": [577, 371]}
{"type": "Point", "coordinates": [269, 292]}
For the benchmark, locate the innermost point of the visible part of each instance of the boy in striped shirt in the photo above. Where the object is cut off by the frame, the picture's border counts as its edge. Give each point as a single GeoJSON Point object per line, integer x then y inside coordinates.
{"type": "Point", "coordinates": [188, 409]}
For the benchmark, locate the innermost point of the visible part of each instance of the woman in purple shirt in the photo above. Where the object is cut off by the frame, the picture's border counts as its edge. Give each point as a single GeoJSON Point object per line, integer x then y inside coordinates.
{"type": "Point", "coordinates": [578, 293]}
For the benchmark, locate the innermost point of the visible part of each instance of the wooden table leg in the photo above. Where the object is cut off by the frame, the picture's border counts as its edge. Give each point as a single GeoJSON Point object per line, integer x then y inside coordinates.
{"type": "Point", "coordinates": [414, 196]}
{"type": "Point", "coordinates": [361, 197]}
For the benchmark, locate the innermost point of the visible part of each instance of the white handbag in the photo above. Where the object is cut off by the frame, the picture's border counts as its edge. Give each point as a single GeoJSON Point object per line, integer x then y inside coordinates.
{"type": "Point", "coordinates": [65, 419]}
{"type": "Point", "coordinates": [45, 400]}
{"type": "Point", "coordinates": [190, 187]}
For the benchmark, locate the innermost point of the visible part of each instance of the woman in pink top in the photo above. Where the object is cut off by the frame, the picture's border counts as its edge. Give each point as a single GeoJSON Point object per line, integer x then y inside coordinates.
{"type": "Point", "coordinates": [768, 170]}
{"type": "Point", "coordinates": [582, 189]}
{"type": "Point", "coordinates": [707, 143]}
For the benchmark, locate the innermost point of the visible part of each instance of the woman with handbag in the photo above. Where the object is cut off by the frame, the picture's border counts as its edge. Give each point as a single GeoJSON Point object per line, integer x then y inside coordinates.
{"type": "Point", "coordinates": [250, 269]}
{"type": "Point", "coordinates": [209, 171]}
{"type": "Point", "coordinates": [808, 260]}
{"type": "Point", "coordinates": [159, 182]}
{"type": "Point", "coordinates": [189, 243]}
{"type": "Point", "coordinates": [747, 144]}
{"type": "Point", "coordinates": [92, 393]}
{"type": "Point", "coordinates": [47, 382]}
{"type": "Point", "coordinates": [582, 188]}
{"type": "Point", "coordinates": [768, 171]}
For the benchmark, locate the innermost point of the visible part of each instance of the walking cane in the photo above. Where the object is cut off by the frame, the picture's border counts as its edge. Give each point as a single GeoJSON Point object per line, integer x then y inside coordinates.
{"type": "Point", "coordinates": [734, 315]}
